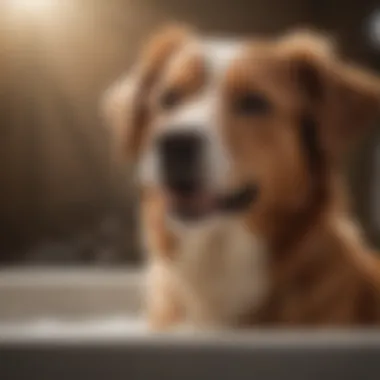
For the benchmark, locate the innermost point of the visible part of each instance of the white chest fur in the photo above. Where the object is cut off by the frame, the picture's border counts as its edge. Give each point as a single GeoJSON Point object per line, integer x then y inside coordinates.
{"type": "Point", "coordinates": [220, 272]}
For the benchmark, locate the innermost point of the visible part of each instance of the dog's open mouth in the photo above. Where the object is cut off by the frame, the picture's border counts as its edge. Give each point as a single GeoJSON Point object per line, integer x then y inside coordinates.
{"type": "Point", "coordinates": [201, 204]}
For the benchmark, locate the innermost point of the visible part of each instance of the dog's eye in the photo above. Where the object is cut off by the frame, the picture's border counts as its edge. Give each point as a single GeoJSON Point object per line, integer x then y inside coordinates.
{"type": "Point", "coordinates": [170, 99]}
{"type": "Point", "coordinates": [251, 104]}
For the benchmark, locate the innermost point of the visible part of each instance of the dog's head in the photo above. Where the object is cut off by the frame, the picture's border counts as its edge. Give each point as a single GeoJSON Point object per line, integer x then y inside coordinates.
{"type": "Point", "coordinates": [220, 126]}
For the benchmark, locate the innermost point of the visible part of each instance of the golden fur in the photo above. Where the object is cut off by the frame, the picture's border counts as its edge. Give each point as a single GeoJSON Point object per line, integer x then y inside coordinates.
{"type": "Point", "coordinates": [321, 271]}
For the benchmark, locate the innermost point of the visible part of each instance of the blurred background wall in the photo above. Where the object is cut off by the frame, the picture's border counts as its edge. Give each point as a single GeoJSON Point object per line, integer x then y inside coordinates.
{"type": "Point", "coordinates": [64, 198]}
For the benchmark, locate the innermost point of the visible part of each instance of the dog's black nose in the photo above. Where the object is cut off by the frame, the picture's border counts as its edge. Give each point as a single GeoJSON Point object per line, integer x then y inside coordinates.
{"type": "Point", "coordinates": [180, 156]}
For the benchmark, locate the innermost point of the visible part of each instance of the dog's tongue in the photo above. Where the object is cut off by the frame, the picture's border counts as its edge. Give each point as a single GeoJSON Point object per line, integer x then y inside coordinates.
{"type": "Point", "coordinates": [200, 204]}
{"type": "Point", "coordinates": [197, 203]}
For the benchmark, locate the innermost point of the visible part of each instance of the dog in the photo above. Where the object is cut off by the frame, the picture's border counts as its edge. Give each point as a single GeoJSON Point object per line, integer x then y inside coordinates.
{"type": "Point", "coordinates": [238, 145]}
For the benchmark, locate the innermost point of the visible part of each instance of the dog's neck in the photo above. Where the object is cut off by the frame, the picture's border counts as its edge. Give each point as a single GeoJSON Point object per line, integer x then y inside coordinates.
{"type": "Point", "coordinates": [322, 271]}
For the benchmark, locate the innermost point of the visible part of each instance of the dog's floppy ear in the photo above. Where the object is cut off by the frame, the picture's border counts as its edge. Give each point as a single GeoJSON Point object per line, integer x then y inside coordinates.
{"type": "Point", "coordinates": [124, 105]}
{"type": "Point", "coordinates": [345, 100]}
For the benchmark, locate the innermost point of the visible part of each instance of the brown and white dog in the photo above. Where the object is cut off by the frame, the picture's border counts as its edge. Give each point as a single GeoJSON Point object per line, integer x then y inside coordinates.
{"type": "Point", "coordinates": [239, 146]}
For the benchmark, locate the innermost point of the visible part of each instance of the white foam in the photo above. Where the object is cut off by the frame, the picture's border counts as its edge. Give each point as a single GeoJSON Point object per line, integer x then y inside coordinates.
{"type": "Point", "coordinates": [110, 327]}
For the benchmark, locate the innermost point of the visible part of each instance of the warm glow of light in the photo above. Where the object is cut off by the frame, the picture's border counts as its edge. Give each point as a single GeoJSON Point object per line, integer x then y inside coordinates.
{"type": "Point", "coordinates": [374, 29]}
{"type": "Point", "coordinates": [32, 7]}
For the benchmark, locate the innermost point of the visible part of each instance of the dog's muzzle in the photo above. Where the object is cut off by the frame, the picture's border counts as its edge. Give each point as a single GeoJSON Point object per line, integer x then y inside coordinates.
{"type": "Point", "coordinates": [180, 162]}
{"type": "Point", "coordinates": [184, 179]}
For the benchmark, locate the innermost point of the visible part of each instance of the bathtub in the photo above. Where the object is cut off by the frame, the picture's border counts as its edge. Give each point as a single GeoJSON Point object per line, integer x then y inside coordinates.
{"type": "Point", "coordinates": [79, 324]}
